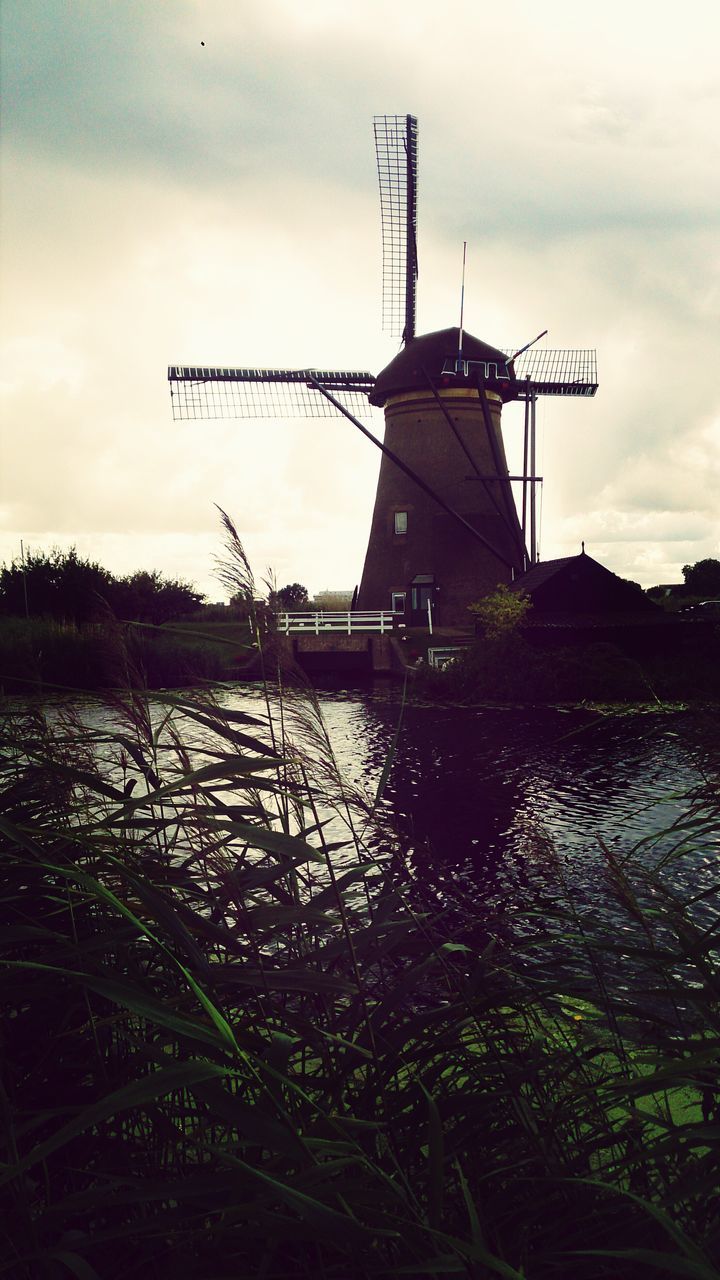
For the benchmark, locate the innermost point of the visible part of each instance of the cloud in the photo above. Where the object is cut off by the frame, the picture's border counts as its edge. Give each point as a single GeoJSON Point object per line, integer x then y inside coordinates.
{"type": "Point", "coordinates": [169, 202]}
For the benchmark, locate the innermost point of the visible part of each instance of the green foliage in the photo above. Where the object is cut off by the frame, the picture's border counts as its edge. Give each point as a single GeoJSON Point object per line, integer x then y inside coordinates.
{"type": "Point", "coordinates": [64, 586]}
{"type": "Point", "coordinates": [502, 612]}
{"type": "Point", "coordinates": [703, 578]}
{"type": "Point", "coordinates": [150, 597]}
{"type": "Point", "coordinates": [293, 596]}
{"type": "Point", "coordinates": [231, 1047]}
{"type": "Point", "coordinates": [58, 584]}
{"type": "Point", "coordinates": [508, 668]}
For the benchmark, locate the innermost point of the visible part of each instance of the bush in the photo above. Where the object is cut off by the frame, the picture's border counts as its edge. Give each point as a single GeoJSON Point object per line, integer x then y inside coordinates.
{"type": "Point", "coordinates": [509, 669]}
{"type": "Point", "coordinates": [502, 613]}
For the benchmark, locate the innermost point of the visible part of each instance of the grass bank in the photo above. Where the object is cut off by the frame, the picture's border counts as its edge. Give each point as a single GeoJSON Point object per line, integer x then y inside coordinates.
{"type": "Point", "coordinates": [37, 654]}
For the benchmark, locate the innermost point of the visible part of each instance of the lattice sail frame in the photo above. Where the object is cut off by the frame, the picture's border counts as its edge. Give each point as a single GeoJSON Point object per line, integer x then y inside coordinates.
{"type": "Point", "coordinates": [396, 149]}
{"type": "Point", "coordinates": [202, 391]}
{"type": "Point", "coordinates": [557, 372]}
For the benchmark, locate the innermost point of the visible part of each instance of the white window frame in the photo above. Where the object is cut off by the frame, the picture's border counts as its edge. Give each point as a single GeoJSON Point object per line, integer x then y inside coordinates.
{"type": "Point", "coordinates": [398, 595]}
{"type": "Point", "coordinates": [400, 522]}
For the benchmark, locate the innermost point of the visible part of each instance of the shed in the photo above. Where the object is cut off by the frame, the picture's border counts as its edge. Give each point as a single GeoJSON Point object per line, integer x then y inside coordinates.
{"type": "Point", "coordinates": [580, 589]}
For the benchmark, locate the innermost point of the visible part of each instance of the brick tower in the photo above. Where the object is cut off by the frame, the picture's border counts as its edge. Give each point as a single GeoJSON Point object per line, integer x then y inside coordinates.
{"type": "Point", "coordinates": [442, 420]}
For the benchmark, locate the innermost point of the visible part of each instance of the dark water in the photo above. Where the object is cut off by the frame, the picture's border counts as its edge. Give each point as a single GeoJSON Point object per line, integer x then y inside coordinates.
{"type": "Point", "coordinates": [490, 805]}
{"type": "Point", "coordinates": [493, 808]}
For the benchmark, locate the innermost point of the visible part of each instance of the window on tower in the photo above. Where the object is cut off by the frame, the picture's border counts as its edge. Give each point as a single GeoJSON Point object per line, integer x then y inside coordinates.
{"type": "Point", "coordinates": [401, 521]}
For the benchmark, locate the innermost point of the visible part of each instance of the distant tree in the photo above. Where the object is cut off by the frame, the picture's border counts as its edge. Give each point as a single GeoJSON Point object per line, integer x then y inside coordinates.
{"type": "Point", "coordinates": [149, 597]}
{"type": "Point", "coordinates": [57, 584]}
{"type": "Point", "coordinates": [294, 596]}
{"type": "Point", "coordinates": [502, 612]}
{"type": "Point", "coordinates": [64, 586]}
{"type": "Point", "coordinates": [702, 578]}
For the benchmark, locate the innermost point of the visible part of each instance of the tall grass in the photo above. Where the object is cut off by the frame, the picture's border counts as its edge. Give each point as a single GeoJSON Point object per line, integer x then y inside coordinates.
{"type": "Point", "coordinates": [41, 655]}
{"type": "Point", "coordinates": [232, 1047]}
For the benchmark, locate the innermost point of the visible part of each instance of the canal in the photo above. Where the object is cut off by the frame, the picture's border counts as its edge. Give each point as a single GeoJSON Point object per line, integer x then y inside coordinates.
{"type": "Point", "coordinates": [488, 811]}
{"type": "Point", "coordinates": [492, 805]}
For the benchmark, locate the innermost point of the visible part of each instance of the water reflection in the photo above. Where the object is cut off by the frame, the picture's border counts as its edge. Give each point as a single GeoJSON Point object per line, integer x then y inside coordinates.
{"type": "Point", "coordinates": [488, 803]}
{"type": "Point", "coordinates": [493, 807]}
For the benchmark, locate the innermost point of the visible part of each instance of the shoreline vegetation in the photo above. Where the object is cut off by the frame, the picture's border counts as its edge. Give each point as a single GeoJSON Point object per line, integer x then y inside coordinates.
{"type": "Point", "coordinates": [233, 1045]}
{"type": "Point", "coordinates": [42, 655]}
{"type": "Point", "coordinates": [512, 669]}
{"type": "Point", "coordinates": [74, 638]}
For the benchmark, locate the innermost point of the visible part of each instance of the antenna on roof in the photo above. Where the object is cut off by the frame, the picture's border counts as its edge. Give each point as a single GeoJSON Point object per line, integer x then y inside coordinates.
{"type": "Point", "coordinates": [462, 308]}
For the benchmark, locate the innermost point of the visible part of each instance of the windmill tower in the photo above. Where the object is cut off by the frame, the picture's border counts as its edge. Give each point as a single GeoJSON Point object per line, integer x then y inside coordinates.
{"type": "Point", "coordinates": [445, 423]}
{"type": "Point", "coordinates": [445, 529]}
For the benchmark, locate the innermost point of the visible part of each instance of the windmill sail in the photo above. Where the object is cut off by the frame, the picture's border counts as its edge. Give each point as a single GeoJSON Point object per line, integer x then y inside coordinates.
{"type": "Point", "coordinates": [548, 372]}
{"type": "Point", "coordinates": [396, 148]}
{"type": "Point", "coordinates": [199, 391]}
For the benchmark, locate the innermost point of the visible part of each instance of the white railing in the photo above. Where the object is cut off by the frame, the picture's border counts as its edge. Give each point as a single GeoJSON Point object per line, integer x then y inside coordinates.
{"type": "Point", "coordinates": [381, 620]}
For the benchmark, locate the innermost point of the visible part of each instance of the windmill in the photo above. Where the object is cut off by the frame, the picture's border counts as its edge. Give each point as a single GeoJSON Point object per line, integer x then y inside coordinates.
{"type": "Point", "coordinates": [445, 528]}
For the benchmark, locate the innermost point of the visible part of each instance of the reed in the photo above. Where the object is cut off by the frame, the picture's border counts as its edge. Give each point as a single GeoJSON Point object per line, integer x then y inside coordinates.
{"type": "Point", "coordinates": [236, 1042]}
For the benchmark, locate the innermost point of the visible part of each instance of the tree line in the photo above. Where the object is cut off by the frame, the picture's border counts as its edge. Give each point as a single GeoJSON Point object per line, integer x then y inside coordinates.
{"type": "Point", "coordinates": [66, 587]}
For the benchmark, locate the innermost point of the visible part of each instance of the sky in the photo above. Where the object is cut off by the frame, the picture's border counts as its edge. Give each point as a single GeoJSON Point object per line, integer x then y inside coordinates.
{"type": "Point", "coordinates": [194, 182]}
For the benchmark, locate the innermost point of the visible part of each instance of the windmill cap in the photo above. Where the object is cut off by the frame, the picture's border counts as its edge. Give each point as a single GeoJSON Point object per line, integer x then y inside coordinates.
{"type": "Point", "coordinates": [434, 355]}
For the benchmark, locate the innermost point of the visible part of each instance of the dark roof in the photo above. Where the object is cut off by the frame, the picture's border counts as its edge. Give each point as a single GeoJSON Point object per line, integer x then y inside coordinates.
{"type": "Point", "coordinates": [542, 572]}
{"type": "Point", "coordinates": [427, 356]}
{"type": "Point", "coordinates": [581, 586]}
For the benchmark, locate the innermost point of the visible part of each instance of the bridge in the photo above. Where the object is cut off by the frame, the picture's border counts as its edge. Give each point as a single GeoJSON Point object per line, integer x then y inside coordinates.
{"type": "Point", "coordinates": [348, 623]}
{"type": "Point", "coordinates": [349, 641]}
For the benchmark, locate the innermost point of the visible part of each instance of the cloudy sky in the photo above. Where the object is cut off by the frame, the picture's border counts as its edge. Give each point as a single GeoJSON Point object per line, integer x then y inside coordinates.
{"type": "Point", "coordinates": [193, 182]}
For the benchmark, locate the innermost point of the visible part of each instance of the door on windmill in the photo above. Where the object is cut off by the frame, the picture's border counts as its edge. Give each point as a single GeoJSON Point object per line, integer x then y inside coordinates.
{"type": "Point", "coordinates": [422, 594]}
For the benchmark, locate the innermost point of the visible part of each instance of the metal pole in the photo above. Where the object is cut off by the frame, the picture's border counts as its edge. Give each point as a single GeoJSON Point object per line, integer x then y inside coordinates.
{"type": "Point", "coordinates": [462, 309]}
{"type": "Point", "coordinates": [533, 530]}
{"type": "Point", "coordinates": [24, 578]}
{"type": "Point", "coordinates": [430, 617]}
{"type": "Point", "coordinates": [525, 467]}
{"type": "Point", "coordinates": [511, 520]}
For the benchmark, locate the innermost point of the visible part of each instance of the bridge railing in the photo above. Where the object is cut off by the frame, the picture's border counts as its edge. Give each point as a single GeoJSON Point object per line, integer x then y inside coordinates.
{"type": "Point", "coordinates": [381, 620]}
